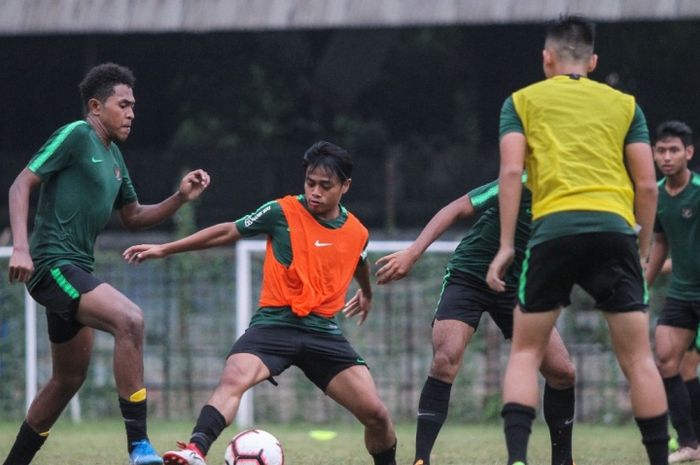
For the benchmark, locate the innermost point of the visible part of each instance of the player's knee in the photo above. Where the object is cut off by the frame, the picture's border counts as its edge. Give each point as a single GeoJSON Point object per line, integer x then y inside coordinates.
{"type": "Point", "coordinates": [376, 416]}
{"type": "Point", "coordinates": [667, 362]}
{"type": "Point", "coordinates": [560, 375]}
{"type": "Point", "coordinates": [565, 376]}
{"type": "Point", "coordinates": [69, 383]}
{"type": "Point", "coordinates": [234, 381]}
{"type": "Point", "coordinates": [131, 321]}
{"type": "Point", "coordinates": [444, 366]}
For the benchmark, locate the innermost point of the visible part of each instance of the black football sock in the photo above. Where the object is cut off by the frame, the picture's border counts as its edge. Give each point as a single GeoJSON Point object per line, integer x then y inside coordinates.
{"type": "Point", "coordinates": [679, 410]}
{"type": "Point", "coordinates": [209, 426]}
{"type": "Point", "coordinates": [655, 438]}
{"type": "Point", "coordinates": [693, 388]}
{"type": "Point", "coordinates": [27, 444]}
{"type": "Point", "coordinates": [517, 426]}
{"type": "Point", "coordinates": [387, 457]}
{"type": "Point", "coordinates": [134, 411]}
{"type": "Point", "coordinates": [432, 411]}
{"type": "Point", "coordinates": [558, 407]}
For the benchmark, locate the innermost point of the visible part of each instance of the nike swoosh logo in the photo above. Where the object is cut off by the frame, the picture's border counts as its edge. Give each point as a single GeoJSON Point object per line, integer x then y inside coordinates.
{"type": "Point", "coordinates": [96, 160]}
{"type": "Point", "coordinates": [322, 244]}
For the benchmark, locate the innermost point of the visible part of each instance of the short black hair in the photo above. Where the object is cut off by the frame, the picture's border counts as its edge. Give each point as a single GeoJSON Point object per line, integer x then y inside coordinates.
{"type": "Point", "coordinates": [675, 128]}
{"type": "Point", "coordinates": [329, 157]}
{"type": "Point", "coordinates": [99, 82]}
{"type": "Point", "coordinates": [574, 37]}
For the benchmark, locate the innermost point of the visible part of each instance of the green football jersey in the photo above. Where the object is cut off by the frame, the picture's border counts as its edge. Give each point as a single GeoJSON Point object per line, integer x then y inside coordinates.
{"type": "Point", "coordinates": [82, 182]}
{"type": "Point", "coordinates": [678, 218]}
{"type": "Point", "coordinates": [477, 248]}
{"type": "Point", "coordinates": [270, 220]}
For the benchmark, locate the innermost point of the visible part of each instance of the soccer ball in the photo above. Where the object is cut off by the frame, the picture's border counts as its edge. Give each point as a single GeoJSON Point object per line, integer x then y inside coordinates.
{"type": "Point", "coordinates": [254, 447]}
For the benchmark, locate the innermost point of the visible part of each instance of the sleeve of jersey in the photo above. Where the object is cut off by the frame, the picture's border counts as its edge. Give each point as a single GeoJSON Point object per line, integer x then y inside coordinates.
{"type": "Point", "coordinates": [509, 120]}
{"type": "Point", "coordinates": [638, 131]}
{"type": "Point", "coordinates": [363, 254]}
{"type": "Point", "coordinates": [56, 153]}
{"type": "Point", "coordinates": [127, 193]}
{"type": "Point", "coordinates": [261, 221]}
{"type": "Point", "coordinates": [484, 197]}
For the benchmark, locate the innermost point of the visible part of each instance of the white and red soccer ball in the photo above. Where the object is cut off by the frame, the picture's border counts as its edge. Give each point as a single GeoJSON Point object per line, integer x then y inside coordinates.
{"type": "Point", "coordinates": [254, 447]}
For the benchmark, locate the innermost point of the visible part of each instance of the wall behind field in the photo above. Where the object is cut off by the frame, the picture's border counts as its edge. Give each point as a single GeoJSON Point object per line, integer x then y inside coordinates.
{"type": "Point", "coordinates": [418, 107]}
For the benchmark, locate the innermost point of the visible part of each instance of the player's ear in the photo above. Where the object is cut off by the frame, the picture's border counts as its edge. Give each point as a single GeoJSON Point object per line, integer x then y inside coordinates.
{"type": "Point", "coordinates": [592, 62]}
{"type": "Point", "coordinates": [94, 106]}
{"type": "Point", "coordinates": [546, 56]}
{"type": "Point", "coordinates": [346, 185]}
{"type": "Point", "coordinates": [548, 60]}
{"type": "Point", "coordinates": [690, 151]}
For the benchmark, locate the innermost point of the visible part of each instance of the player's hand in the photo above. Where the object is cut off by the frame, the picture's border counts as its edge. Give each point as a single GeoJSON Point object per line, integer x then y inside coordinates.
{"type": "Point", "coordinates": [142, 252]}
{"type": "Point", "coordinates": [358, 305]}
{"type": "Point", "coordinates": [395, 266]}
{"type": "Point", "coordinates": [193, 184]}
{"type": "Point", "coordinates": [21, 266]}
{"type": "Point", "coordinates": [498, 267]}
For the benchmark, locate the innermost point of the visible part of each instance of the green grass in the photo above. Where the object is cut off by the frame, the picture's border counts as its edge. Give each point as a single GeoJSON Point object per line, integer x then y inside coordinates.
{"type": "Point", "coordinates": [103, 443]}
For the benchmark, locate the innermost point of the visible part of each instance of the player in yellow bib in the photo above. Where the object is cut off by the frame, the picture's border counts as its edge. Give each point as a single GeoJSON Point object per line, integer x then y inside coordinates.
{"type": "Point", "coordinates": [591, 175]}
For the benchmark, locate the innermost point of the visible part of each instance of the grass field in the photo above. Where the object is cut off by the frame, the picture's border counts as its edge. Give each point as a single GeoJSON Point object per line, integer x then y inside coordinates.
{"type": "Point", "coordinates": [102, 443]}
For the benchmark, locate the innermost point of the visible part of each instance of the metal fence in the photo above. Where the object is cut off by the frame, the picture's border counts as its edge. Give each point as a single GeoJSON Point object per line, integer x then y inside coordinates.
{"type": "Point", "coordinates": [189, 305]}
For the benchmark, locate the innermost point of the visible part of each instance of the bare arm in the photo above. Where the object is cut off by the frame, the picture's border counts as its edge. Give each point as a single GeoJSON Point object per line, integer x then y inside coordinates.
{"type": "Point", "coordinates": [21, 265]}
{"type": "Point", "coordinates": [513, 148]}
{"type": "Point", "coordinates": [213, 236]}
{"type": "Point", "coordinates": [361, 302]}
{"type": "Point", "coordinates": [397, 265]}
{"type": "Point", "coordinates": [659, 251]}
{"type": "Point", "coordinates": [640, 165]}
{"type": "Point", "coordinates": [136, 216]}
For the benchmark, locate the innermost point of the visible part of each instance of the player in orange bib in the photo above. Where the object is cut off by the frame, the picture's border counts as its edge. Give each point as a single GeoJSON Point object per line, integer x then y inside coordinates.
{"type": "Point", "coordinates": [314, 249]}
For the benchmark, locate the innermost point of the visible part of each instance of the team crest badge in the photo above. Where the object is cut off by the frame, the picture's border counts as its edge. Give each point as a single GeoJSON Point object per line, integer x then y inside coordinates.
{"type": "Point", "coordinates": [117, 173]}
{"type": "Point", "coordinates": [686, 213]}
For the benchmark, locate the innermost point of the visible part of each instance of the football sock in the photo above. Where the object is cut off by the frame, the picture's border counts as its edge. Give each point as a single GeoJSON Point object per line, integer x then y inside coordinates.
{"type": "Point", "coordinates": [517, 425]}
{"type": "Point", "coordinates": [134, 411]}
{"type": "Point", "coordinates": [558, 407]}
{"type": "Point", "coordinates": [209, 426]}
{"type": "Point", "coordinates": [387, 457]}
{"type": "Point", "coordinates": [693, 388]}
{"type": "Point", "coordinates": [26, 445]}
{"type": "Point", "coordinates": [655, 438]}
{"type": "Point", "coordinates": [679, 410]}
{"type": "Point", "coordinates": [432, 411]}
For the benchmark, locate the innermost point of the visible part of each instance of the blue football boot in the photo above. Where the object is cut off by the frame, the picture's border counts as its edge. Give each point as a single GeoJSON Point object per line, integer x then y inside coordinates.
{"type": "Point", "coordinates": [143, 453]}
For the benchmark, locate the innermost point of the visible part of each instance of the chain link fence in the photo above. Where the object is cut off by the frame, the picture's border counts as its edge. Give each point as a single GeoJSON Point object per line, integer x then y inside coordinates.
{"type": "Point", "coordinates": [189, 306]}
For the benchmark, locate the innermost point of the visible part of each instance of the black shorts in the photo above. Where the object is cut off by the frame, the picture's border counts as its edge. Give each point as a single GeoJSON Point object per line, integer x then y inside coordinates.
{"type": "Point", "coordinates": [465, 298]}
{"type": "Point", "coordinates": [320, 356]}
{"type": "Point", "coordinates": [59, 291]}
{"type": "Point", "coordinates": [680, 314]}
{"type": "Point", "coordinates": [605, 264]}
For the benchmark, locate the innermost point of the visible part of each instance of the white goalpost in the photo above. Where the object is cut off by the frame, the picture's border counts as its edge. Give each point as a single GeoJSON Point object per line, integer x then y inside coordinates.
{"type": "Point", "coordinates": [245, 301]}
